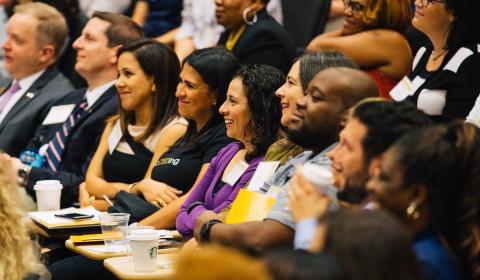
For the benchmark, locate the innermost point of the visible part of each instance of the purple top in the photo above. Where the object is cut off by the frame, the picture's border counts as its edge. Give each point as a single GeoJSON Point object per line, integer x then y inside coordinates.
{"type": "Point", "coordinates": [203, 191]}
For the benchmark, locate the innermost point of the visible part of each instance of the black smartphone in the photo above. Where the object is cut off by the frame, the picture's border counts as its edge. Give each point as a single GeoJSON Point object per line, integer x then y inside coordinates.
{"type": "Point", "coordinates": [74, 216]}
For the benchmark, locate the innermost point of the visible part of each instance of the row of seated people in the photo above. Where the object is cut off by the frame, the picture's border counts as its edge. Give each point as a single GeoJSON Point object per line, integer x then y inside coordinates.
{"type": "Point", "coordinates": [197, 145]}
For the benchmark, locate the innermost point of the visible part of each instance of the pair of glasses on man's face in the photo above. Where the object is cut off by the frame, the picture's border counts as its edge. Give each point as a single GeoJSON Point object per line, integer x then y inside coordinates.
{"type": "Point", "coordinates": [354, 6]}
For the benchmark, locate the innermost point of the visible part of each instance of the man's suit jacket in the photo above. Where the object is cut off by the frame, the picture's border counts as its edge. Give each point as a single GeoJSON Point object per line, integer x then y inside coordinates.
{"type": "Point", "coordinates": [20, 123]}
{"type": "Point", "coordinates": [79, 147]}
{"type": "Point", "coordinates": [265, 42]}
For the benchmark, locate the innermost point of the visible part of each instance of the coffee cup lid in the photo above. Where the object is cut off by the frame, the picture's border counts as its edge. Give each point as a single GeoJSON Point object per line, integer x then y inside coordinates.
{"type": "Point", "coordinates": [143, 234]}
{"type": "Point", "coordinates": [48, 187]}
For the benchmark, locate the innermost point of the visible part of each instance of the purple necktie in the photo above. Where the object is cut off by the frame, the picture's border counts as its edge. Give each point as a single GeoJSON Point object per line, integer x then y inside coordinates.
{"type": "Point", "coordinates": [6, 96]}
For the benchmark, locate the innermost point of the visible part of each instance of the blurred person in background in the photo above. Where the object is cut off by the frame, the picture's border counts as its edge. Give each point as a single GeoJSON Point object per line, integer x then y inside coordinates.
{"type": "Point", "coordinates": [253, 35]}
{"type": "Point", "coordinates": [378, 27]}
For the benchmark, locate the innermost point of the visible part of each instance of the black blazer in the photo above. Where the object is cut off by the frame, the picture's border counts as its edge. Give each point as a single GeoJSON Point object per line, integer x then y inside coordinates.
{"type": "Point", "coordinates": [80, 147]}
{"type": "Point", "coordinates": [19, 125]}
{"type": "Point", "coordinates": [265, 42]}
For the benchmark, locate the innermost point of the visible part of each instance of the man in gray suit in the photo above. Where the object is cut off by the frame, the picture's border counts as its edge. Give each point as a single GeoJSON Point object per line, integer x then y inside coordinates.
{"type": "Point", "coordinates": [36, 33]}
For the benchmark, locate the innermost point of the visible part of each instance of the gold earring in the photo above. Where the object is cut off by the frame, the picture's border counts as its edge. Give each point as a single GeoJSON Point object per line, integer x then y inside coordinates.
{"type": "Point", "coordinates": [412, 211]}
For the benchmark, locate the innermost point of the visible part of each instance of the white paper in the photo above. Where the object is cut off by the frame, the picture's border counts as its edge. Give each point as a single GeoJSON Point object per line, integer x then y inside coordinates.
{"type": "Point", "coordinates": [58, 114]}
{"type": "Point", "coordinates": [264, 171]}
{"type": "Point", "coordinates": [114, 137]}
{"type": "Point", "coordinates": [235, 173]}
{"type": "Point", "coordinates": [103, 249]}
{"type": "Point", "coordinates": [49, 217]}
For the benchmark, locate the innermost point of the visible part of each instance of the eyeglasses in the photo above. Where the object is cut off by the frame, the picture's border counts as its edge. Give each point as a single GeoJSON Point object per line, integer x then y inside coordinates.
{"type": "Point", "coordinates": [425, 3]}
{"type": "Point", "coordinates": [354, 6]}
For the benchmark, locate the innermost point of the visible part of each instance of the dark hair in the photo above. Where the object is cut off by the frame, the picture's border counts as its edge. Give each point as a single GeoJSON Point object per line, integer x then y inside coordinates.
{"type": "Point", "coordinates": [122, 29]}
{"type": "Point", "coordinates": [286, 264]}
{"type": "Point", "coordinates": [260, 83]}
{"type": "Point", "coordinates": [386, 122]}
{"type": "Point", "coordinates": [314, 62]}
{"type": "Point", "coordinates": [446, 161]}
{"type": "Point", "coordinates": [466, 13]}
{"type": "Point", "coordinates": [159, 61]}
{"type": "Point", "coordinates": [216, 66]}
{"type": "Point", "coordinates": [371, 244]}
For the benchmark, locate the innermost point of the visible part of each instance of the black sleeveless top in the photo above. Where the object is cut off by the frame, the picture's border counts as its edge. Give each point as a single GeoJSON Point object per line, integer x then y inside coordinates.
{"type": "Point", "coordinates": [179, 166]}
{"type": "Point", "coordinates": [126, 168]}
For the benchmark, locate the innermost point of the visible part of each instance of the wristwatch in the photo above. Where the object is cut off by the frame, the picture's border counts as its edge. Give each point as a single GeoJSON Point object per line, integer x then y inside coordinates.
{"type": "Point", "coordinates": [205, 230]}
{"type": "Point", "coordinates": [23, 173]}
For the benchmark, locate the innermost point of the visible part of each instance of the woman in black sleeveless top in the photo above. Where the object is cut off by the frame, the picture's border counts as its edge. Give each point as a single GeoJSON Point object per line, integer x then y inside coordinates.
{"type": "Point", "coordinates": [148, 120]}
{"type": "Point", "coordinates": [203, 85]}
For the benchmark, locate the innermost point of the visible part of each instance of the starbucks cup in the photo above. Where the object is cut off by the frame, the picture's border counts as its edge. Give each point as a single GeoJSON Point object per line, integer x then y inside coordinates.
{"type": "Point", "coordinates": [321, 177]}
{"type": "Point", "coordinates": [143, 244]}
{"type": "Point", "coordinates": [48, 194]}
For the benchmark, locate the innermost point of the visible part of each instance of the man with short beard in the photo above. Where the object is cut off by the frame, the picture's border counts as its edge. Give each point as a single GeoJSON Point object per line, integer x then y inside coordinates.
{"type": "Point", "coordinates": [314, 126]}
{"type": "Point", "coordinates": [370, 129]}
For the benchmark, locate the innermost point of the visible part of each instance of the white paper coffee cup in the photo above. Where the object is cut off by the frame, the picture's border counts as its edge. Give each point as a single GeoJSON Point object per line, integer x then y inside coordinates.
{"type": "Point", "coordinates": [321, 177]}
{"type": "Point", "coordinates": [48, 194]}
{"type": "Point", "coordinates": [143, 244]}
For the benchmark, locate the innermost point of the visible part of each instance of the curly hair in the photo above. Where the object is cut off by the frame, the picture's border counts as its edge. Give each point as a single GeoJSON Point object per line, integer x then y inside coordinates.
{"type": "Point", "coordinates": [260, 83]}
{"type": "Point", "coordinates": [447, 162]}
{"type": "Point", "coordinates": [17, 259]}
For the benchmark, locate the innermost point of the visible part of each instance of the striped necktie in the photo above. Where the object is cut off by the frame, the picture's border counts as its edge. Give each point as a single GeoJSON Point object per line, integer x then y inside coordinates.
{"type": "Point", "coordinates": [56, 146]}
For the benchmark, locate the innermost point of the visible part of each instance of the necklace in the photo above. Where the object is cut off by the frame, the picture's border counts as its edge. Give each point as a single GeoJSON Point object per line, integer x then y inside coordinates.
{"type": "Point", "coordinates": [435, 57]}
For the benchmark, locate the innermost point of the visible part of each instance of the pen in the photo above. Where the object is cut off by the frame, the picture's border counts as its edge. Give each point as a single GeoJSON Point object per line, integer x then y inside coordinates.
{"type": "Point", "coordinates": [108, 200]}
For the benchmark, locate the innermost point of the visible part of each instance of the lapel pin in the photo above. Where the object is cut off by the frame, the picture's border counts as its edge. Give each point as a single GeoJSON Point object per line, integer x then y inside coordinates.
{"type": "Point", "coordinates": [30, 95]}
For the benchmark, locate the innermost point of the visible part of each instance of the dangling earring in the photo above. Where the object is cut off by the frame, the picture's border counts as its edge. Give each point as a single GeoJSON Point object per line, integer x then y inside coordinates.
{"type": "Point", "coordinates": [412, 211]}
{"type": "Point", "coordinates": [245, 18]}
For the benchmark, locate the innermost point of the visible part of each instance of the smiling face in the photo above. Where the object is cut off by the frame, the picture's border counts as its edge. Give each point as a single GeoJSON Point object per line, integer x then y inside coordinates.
{"type": "Point", "coordinates": [235, 111]}
{"type": "Point", "coordinates": [318, 114]}
{"type": "Point", "coordinates": [93, 53]}
{"type": "Point", "coordinates": [21, 49]}
{"type": "Point", "coordinates": [195, 99]}
{"type": "Point", "coordinates": [350, 172]}
{"type": "Point", "coordinates": [135, 88]}
{"type": "Point", "coordinates": [229, 13]}
{"type": "Point", "coordinates": [289, 93]}
{"type": "Point", "coordinates": [353, 12]}
{"type": "Point", "coordinates": [432, 18]}
{"type": "Point", "coordinates": [386, 187]}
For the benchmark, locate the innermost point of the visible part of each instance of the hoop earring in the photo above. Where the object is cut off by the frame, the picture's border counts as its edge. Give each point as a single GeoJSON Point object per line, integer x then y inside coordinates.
{"type": "Point", "coordinates": [245, 18]}
{"type": "Point", "coordinates": [412, 211]}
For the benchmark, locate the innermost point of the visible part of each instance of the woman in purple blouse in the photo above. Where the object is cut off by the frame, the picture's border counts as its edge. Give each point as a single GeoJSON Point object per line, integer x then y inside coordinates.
{"type": "Point", "coordinates": [252, 117]}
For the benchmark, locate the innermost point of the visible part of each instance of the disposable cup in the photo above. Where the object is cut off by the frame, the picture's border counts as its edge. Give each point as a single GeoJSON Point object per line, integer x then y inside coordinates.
{"type": "Point", "coordinates": [143, 244]}
{"type": "Point", "coordinates": [114, 229]}
{"type": "Point", "coordinates": [321, 177]}
{"type": "Point", "coordinates": [48, 194]}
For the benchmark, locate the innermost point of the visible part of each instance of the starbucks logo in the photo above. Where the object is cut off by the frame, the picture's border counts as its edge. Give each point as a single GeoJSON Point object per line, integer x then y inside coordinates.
{"type": "Point", "coordinates": [152, 252]}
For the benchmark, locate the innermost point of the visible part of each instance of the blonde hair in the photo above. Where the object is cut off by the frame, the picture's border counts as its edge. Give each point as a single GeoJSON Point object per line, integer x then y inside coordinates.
{"type": "Point", "coordinates": [218, 263]}
{"type": "Point", "coordinates": [388, 14]}
{"type": "Point", "coordinates": [52, 26]}
{"type": "Point", "coordinates": [17, 258]}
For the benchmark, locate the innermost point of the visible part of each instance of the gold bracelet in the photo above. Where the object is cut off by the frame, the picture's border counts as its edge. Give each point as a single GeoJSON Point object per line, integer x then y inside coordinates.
{"type": "Point", "coordinates": [130, 187]}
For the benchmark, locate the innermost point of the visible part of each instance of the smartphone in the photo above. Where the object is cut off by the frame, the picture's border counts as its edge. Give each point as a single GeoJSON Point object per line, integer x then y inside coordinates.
{"type": "Point", "coordinates": [74, 216]}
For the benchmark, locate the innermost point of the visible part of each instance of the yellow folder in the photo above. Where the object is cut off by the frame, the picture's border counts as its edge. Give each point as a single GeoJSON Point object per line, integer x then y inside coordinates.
{"type": "Point", "coordinates": [249, 206]}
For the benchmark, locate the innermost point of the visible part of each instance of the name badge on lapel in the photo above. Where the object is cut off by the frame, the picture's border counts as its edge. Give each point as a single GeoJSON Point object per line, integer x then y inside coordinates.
{"type": "Point", "coordinates": [58, 114]}
{"type": "Point", "coordinates": [235, 173]}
